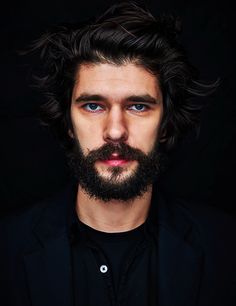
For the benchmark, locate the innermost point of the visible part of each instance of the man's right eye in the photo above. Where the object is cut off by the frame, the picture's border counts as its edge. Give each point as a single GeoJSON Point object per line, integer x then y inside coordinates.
{"type": "Point", "coordinates": [92, 107]}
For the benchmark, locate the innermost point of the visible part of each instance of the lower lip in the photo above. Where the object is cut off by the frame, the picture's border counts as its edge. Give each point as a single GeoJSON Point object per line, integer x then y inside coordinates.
{"type": "Point", "coordinates": [115, 162]}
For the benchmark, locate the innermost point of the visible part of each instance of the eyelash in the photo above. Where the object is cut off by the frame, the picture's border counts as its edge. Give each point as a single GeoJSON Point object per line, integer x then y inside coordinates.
{"type": "Point", "coordinates": [85, 106]}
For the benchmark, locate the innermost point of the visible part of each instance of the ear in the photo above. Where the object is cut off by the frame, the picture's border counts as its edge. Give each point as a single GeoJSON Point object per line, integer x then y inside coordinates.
{"type": "Point", "coordinates": [163, 137]}
{"type": "Point", "coordinates": [70, 133]}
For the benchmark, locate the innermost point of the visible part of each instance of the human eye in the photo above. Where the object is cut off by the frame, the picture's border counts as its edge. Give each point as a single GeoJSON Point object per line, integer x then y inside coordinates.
{"type": "Point", "coordinates": [138, 107]}
{"type": "Point", "coordinates": [92, 107]}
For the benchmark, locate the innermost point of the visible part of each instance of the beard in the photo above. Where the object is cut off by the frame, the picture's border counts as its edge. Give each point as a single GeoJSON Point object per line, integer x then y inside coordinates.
{"type": "Point", "coordinates": [117, 186]}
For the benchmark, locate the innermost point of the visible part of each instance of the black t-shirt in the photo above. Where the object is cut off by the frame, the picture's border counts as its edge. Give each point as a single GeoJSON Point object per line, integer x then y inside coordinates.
{"type": "Point", "coordinates": [112, 269]}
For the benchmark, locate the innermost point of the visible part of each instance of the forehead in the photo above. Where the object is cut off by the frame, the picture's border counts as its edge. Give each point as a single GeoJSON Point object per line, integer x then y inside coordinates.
{"type": "Point", "coordinates": [123, 79]}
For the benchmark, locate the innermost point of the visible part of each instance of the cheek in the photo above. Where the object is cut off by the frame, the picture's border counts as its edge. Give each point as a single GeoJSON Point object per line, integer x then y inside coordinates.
{"type": "Point", "coordinates": [143, 136]}
{"type": "Point", "coordinates": [87, 133]}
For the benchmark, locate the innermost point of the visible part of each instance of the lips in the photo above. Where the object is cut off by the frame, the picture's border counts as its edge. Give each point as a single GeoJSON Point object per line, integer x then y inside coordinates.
{"type": "Point", "coordinates": [115, 160]}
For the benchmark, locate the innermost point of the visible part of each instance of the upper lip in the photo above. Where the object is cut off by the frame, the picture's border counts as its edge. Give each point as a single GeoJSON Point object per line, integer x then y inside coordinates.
{"type": "Point", "coordinates": [116, 156]}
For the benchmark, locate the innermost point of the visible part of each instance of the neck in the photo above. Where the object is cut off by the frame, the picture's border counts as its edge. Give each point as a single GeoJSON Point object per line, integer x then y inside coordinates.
{"type": "Point", "coordinates": [113, 216]}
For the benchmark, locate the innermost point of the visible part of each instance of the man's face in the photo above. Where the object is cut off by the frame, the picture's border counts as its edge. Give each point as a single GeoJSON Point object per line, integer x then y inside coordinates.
{"type": "Point", "coordinates": [116, 113]}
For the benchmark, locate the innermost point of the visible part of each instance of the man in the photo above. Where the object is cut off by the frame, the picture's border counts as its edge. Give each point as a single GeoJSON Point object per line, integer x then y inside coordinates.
{"type": "Point", "coordinates": [120, 95]}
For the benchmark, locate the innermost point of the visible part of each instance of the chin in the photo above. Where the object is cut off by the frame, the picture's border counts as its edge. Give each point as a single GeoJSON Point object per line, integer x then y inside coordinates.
{"type": "Point", "coordinates": [116, 174]}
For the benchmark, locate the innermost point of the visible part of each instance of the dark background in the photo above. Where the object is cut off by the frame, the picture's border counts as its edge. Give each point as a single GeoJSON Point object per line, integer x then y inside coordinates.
{"type": "Point", "coordinates": [32, 164]}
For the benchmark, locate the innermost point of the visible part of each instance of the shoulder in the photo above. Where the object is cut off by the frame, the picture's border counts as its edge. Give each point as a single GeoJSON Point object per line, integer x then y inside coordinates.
{"type": "Point", "coordinates": [16, 230]}
{"type": "Point", "coordinates": [214, 228]}
{"type": "Point", "coordinates": [208, 217]}
{"type": "Point", "coordinates": [208, 226]}
{"type": "Point", "coordinates": [21, 220]}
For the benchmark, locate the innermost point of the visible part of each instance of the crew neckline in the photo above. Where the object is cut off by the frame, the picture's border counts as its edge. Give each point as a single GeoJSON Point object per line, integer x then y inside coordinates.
{"type": "Point", "coordinates": [112, 237]}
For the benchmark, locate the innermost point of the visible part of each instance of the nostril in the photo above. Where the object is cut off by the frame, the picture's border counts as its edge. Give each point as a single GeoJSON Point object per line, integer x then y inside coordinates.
{"type": "Point", "coordinates": [115, 141]}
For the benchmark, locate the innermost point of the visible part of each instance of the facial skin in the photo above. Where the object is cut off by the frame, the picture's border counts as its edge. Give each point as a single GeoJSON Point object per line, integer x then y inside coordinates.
{"type": "Point", "coordinates": [114, 104]}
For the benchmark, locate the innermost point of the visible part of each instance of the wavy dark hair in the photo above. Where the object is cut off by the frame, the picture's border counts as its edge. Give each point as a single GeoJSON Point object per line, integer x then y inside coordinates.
{"type": "Point", "coordinates": [126, 32]}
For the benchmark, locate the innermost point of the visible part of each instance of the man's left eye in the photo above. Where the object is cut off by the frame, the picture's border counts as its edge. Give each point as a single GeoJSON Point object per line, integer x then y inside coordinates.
{"type": "Point", "coordinates": [138, 107]}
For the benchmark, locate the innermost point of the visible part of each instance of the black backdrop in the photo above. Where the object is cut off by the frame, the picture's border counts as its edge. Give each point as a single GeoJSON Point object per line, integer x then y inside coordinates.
{"type": "Point", "coordinates": [32, 163]}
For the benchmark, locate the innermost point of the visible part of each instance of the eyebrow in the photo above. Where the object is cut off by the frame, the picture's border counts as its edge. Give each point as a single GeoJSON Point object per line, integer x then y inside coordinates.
{"type": "Point", "coordinates": [146, 98]}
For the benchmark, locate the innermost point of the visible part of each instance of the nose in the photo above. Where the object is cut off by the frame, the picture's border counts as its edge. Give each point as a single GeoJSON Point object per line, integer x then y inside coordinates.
{"type": "Point", "coordinates": [115, 126]}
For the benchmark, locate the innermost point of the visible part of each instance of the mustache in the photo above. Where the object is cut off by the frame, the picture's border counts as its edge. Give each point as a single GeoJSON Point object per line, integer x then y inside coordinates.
{"type": "Point", "coordinates": [123, 150]}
